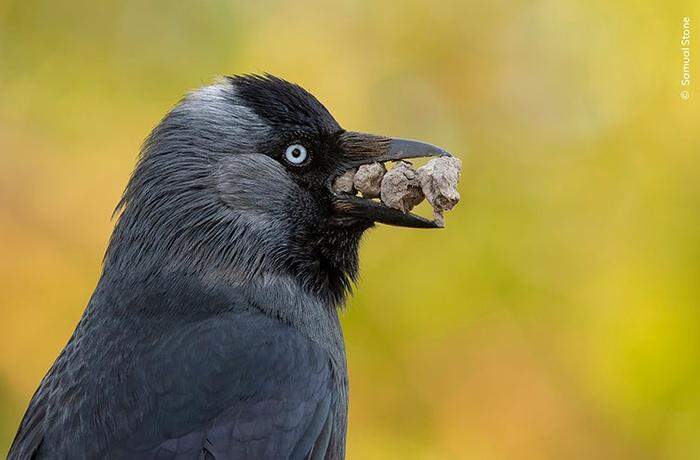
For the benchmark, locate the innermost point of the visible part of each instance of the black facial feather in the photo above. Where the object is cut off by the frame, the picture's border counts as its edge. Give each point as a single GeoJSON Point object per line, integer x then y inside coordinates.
{"type": "Point", "coordinates": [283, 104]}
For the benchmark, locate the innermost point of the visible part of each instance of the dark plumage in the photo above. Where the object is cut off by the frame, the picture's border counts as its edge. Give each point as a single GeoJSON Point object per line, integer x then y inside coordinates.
{"type": "Point", "coordinates": [213, 331]}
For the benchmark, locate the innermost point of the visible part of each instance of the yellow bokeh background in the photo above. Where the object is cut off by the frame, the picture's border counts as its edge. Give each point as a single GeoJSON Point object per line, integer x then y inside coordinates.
{"type": "Point", "coordinates": [557, 316]}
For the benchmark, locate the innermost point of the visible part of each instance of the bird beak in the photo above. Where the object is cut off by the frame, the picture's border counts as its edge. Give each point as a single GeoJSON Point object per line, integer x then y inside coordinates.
{"type": "Point", "coordinates": [360, 149]}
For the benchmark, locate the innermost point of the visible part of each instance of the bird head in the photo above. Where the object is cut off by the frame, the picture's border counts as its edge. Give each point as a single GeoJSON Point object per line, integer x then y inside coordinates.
{"type": "Point", "coordinates": [235, 183]}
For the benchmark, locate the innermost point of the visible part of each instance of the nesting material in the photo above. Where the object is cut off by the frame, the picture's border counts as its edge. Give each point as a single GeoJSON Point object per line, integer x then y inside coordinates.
{"type": "Point", "coordinates": [368, 179]}
{"type": "Point", "coordinates": [345, 182]}
{"type": "Point", "coordinates": [401, 188]}
{"type": "Point", "coordinates": [438, 180]}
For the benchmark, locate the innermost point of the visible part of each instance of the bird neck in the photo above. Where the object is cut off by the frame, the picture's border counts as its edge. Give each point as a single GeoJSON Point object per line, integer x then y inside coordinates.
{"type": "Point", "coordinates": [323, 260]}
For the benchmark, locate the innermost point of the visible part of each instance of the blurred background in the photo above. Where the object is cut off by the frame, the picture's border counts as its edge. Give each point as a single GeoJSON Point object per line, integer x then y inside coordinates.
{"type": "Point", "coordinates": [557, 316]}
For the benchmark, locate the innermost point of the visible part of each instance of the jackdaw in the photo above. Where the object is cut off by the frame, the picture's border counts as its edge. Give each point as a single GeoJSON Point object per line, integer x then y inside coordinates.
{"type": "Point", "coordinates": [213, 331]}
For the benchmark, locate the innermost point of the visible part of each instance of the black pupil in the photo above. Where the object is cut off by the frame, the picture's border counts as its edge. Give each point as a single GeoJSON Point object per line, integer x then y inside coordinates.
{"type": "Point", "coordinates": [296, 153]}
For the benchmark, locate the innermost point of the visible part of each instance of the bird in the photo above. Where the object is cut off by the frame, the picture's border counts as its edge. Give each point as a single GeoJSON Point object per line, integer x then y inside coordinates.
{"type": "Point", "coordinates": [213, 331]}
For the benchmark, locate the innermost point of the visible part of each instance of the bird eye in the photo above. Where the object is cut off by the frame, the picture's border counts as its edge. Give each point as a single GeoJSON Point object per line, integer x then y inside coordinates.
{"type": "Point", "coordinates": [296, 154]}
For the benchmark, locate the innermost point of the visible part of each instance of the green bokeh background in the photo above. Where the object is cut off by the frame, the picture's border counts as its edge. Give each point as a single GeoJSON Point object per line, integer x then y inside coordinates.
{"type": "Point", "coordinates": [558, 315]}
